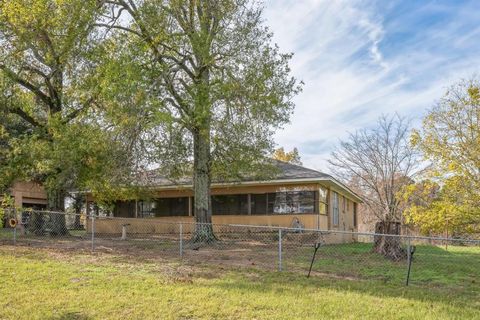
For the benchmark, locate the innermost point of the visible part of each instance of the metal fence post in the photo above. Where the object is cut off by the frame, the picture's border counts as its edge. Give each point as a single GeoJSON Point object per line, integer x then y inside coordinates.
{"type": "Point", "coordinates": [181, 240]}
{"type": "Point", "coordinates": [15, 236]}
{"type": "Point", "coordinates": [279, 249]}
{"type": "Point", "coordinates": [92, 217]}
{"type": "Point", "coordinates": [409, 256]}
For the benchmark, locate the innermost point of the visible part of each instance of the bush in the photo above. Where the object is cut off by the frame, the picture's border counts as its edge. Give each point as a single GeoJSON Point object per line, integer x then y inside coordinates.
{"type": "Point", "coordinates": [2, 215]}
{"type": "Point", "coordinates": [5, 203]}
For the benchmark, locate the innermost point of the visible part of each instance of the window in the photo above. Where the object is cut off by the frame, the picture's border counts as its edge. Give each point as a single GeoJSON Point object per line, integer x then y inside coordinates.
{"type": "Point", "coordinates": [124, 209]}
{"type": "Point", "coordinates": [355, 215]}
{"type": "Point", "coordinates": [348, 205]}
{"type": "Point", "coordinates": [230, 204]}
{"type": "Point", "coordinates": [344, 204]}
{"type": "Point", "coordinates": [322, 201]}
{"type": "Point", "coordinates": [170, 207]}
{"type": "Point", "coordinates": [291, 202]}
{"type": "Point", "coordinates": [323, 194]}
{"type": "Point", "coordinates": [335, 209]}
{"type": "Point", "coordinates": [258, 203]}
{"type": "Point", "coordinates": [145, 209]}
{"type": "Point", "coordinates": [322, 208]}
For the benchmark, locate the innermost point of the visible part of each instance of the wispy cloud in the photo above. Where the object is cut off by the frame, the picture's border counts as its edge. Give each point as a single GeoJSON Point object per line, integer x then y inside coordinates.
{"type": "Point", "coordinates": [360, 59]}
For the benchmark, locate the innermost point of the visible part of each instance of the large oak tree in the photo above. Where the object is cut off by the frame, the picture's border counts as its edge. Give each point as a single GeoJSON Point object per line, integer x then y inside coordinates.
{"type": "Point", "coordinates": [210, 85]}
{"type": "Point", "coordinates": [47, 90]}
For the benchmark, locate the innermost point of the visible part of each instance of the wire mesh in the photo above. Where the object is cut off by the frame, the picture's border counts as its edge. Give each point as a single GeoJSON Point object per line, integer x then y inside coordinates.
{"type": "Point", "coordinates": [328, 253]}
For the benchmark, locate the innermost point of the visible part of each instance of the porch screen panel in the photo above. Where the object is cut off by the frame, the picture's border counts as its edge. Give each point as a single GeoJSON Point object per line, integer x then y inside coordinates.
{"type": "Point", "coordinates": [124, 209]}
{"type": "Point", "coordinates": [230, 204]}
{"type": "Point", "coordinates": [259, 203]}
{"type": "Point", "coordinates": [171, 207]}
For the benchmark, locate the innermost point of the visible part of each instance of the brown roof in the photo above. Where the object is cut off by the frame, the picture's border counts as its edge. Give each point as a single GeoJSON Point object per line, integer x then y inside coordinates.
{"type": "Point", "coordinates": [284, 172]}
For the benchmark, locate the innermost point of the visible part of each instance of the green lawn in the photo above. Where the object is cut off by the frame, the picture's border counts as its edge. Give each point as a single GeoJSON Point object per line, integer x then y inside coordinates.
{"type": "Point", "coordinates": [456, 268]}
{"type": "Point", "coordinates": [42, 284]}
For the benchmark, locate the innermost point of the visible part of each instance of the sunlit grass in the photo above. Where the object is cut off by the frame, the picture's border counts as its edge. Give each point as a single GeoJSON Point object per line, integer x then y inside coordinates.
{"type": "Point", "coordinates": [431, 266]}
{"type": "Point", "coordinates": [42, 284]}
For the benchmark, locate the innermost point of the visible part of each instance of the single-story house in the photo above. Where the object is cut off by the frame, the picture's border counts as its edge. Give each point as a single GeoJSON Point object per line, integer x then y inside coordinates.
{"type": "Point", "coordinates": [294, 195]}
{"type": "Point", "coordinates": [28, 194]}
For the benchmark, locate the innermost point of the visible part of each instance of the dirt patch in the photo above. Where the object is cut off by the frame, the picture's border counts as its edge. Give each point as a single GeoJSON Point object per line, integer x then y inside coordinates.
{"type": "Point", "coordinates": [163, 255]}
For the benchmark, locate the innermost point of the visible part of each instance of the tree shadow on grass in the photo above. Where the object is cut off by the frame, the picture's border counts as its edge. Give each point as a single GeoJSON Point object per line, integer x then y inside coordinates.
{"type": "Point", "coordinates": [71, 316]}
{"type": "Point", "coordinates": [286, 281]}
{"type": "Point", "coordinates": [431, 265]}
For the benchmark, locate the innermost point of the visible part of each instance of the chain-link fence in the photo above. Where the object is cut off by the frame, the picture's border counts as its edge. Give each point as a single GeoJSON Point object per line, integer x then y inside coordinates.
{"type": "Point", "coordinates": [346, 255]}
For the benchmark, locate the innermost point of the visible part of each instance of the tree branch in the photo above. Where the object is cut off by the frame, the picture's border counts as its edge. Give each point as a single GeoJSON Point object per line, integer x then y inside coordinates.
{"type": "Point", "coordinates": [26, 84]}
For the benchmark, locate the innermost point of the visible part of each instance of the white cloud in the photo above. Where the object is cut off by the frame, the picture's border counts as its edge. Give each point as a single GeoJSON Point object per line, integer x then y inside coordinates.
{"type": "Point", "coordinates": [349, 79]}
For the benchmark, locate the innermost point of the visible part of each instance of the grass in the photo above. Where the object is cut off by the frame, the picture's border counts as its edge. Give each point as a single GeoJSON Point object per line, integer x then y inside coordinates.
{"type": "Point", "coordinates": [457, 267]}
{"type": "Point", "coordinates": [6, 234]}
{"type": "Point", "coordinates": [46, 284]}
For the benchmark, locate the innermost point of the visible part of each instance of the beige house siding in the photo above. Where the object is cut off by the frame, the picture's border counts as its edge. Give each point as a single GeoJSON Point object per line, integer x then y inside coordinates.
{"type": "Point", "coordinates": [308, 220]}
{"type": "Point", "coordinates": [346, 216]}
{"type": "Point", "coordinates": [28, 194]}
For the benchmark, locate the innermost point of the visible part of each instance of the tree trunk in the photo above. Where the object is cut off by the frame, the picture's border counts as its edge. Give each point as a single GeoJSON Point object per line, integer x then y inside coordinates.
{"type": "Point", "coordinates": [56, 203]}
{"type": "Point", "coordinates": [390, 247]}
{"type": "Point", "coordinates": [201, 187]}
{"type": "Point", "coordinates": [77, 205]}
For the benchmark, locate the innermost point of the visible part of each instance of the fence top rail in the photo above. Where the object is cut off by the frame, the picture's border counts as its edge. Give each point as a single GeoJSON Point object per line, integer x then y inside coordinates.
{"type": "Point", "coordinates": [276, 228]}
{"type": "Point", "coordinates": [265, 227]}
{"type": "Point", "coordinates": [359, 233]}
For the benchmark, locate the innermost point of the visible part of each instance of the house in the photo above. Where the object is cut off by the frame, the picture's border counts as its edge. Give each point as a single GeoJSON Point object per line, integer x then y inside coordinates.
{"type": "Point", "coordinates": [316, 199]}
{"type": "Point", "coordinates": [28, 194]}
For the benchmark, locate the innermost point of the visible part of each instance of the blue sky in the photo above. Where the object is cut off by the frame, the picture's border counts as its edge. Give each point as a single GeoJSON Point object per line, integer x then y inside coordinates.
{"type": "Point", "coordinates": [361, 59]}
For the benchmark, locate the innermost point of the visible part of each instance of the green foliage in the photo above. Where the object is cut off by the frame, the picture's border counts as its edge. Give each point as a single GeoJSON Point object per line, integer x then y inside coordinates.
{"type": "Point", "coordinates": [7, 202]}
{"type": "Point", "coordinates": [54, 131]}
{"type": "Point", "coordinates": [450, 140]}
{"type": "Point", "coordinates": [245, 93]}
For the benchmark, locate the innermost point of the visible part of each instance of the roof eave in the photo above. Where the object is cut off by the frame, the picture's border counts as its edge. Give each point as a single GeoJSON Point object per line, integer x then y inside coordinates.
{"type": "Point", "coordinates": [349, 192]}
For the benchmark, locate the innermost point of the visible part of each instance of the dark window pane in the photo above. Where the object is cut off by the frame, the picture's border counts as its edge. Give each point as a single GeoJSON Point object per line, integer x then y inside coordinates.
{"type": "Point", "coordinates": [230, 204]}
{"type": "Point", "coordinates": [355, 215]}
{"type": "Point", "coordinates": [124, 209]}
{"type": "Point", "coordinates": [162, 208]}
{"type": "Point", "coordinates": [179, 206]}
{"type": "Point", "coordinates": [271, 201]}
{"type": "Point", "coordinates": [171, 207]}
{"type": "Point", "coordinates": [259, 203]}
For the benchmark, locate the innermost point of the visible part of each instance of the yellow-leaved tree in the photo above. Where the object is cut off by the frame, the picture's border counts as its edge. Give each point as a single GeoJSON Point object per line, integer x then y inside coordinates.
{"type": "Point", "coordinates": [292, 157]}
{"type": "Point", "coordinates": [450, 140]}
